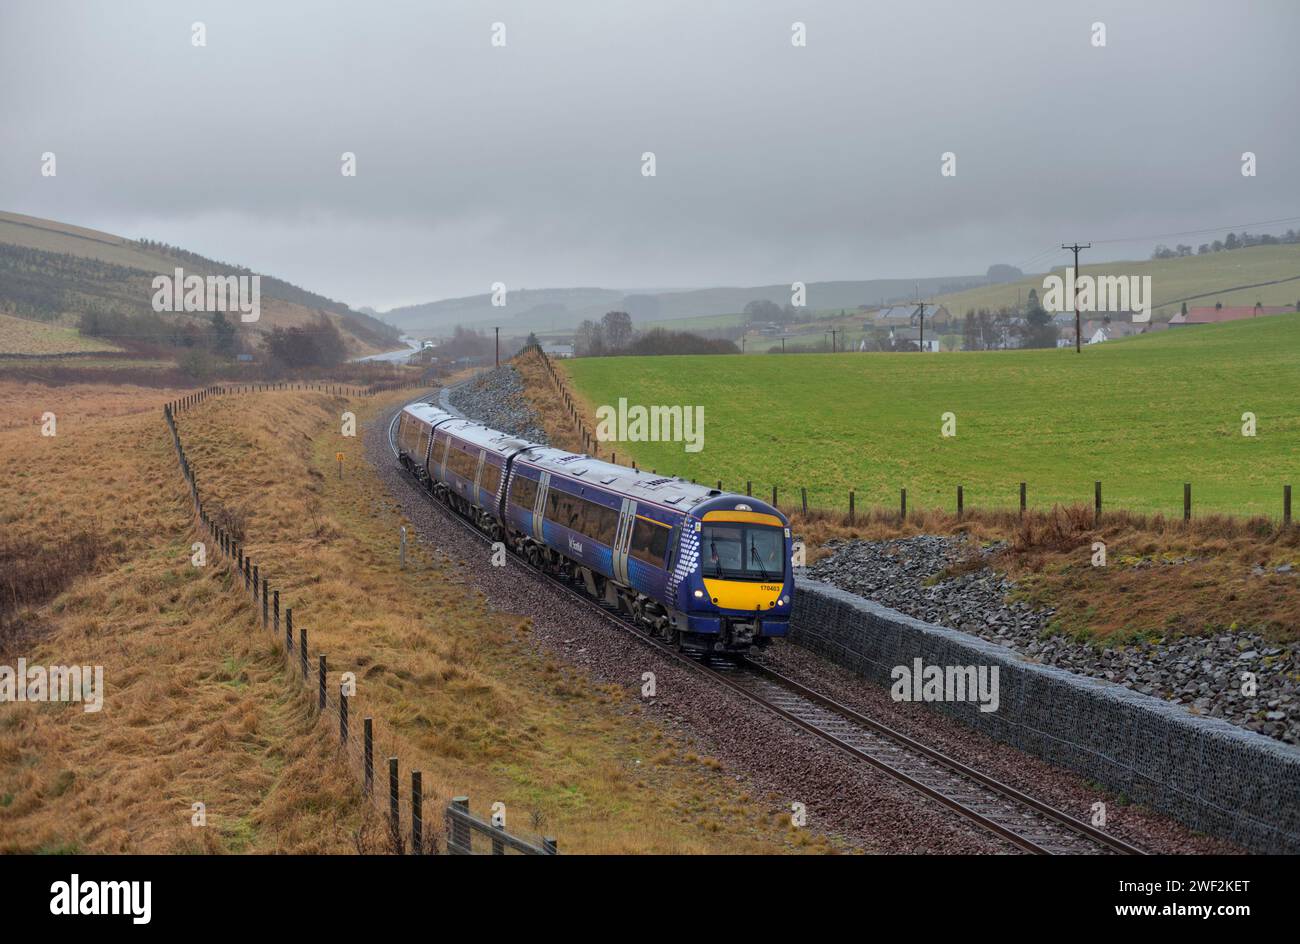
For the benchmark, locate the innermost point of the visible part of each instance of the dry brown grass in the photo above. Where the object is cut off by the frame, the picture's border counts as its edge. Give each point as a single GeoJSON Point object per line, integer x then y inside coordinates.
{"type": "Point", "coordinates": [197, 709]}
{"type": "Point", "coordinates": [455, 687]}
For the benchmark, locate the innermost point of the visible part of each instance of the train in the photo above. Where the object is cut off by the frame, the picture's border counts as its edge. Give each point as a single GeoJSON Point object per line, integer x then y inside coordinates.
{"type": "Point", "coordinates": [700, 568]}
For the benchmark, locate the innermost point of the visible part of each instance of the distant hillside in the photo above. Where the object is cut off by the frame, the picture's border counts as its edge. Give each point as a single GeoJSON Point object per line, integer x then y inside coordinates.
{"type": "Point", "coordinates": [54, 272]}
{"type": "Point", "coordinates": [558, 308]}
{"type": "Point", "coordinates": [1203, 280]}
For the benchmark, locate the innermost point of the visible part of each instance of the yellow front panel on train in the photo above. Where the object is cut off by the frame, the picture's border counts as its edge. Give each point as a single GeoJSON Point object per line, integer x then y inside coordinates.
{"type": "Point", "coordinates": [742, 594]}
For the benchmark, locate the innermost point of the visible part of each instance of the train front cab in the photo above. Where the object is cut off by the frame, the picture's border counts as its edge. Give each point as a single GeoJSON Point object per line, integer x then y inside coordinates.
{"type": "Point", "coordinates": [737, 586]}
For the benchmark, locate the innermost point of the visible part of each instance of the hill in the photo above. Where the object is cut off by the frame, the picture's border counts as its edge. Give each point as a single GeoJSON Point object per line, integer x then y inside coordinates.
{"type": "Point", "coordinates": [1272, 271]}
{"type": "Point", "coordinates": [559, 308]}
{"type": "Point", "coordinates": [34, 338]}
{"type": "Point", "coordinates": [1143, 415]}
{"type": "Point", "coordinates": [54, 272]}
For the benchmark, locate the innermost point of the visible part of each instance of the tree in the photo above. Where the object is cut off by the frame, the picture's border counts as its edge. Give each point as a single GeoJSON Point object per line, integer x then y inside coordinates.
{"type": "Point", "coordinates": [223, 336]}
{"type": "Point", "coordinates": [617, 326]}
{"type": "Point", "coordinates": [763, 310]}
{"type": "Point", "coordinates": [1230, 241]}
{"type": "Point", "coordinates": [589, 340]}
{"type": "Point", "coordinates": [1040, 330]}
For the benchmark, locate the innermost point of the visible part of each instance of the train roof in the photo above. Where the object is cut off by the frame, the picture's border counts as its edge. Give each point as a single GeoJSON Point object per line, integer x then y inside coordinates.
{"type": "Point", "coordinates": [663, 489]}
{"type": "Point", "coordinates": [427, 412]}
{"type": "Point", "coordinates": [485, 437]}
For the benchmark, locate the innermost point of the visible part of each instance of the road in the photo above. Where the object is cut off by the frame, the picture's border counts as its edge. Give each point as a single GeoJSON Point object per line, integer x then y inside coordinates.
{"type": "Point", "coordinates": [397, 357]}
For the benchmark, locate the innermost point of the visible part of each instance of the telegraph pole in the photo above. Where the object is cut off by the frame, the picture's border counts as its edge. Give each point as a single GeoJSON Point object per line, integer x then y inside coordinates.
{"type": "Point", "coordinates": [497, 329]}
{"type": "Point", "coordinates": [833, 333]}
{"type": "Point", "coordinates": [921, 308]}
{"type": "Point", "coordinates": [1078, 342]}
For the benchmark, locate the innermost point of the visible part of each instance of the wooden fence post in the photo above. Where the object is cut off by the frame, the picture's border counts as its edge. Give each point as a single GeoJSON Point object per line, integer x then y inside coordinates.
{"type": "Point", "coordinates": [302, 653]}
{"type": "Point", "coordinates": [368, 728]}
{"type": "Point", "coordinates": [749, 488]}
{"type": "Point", "coordinates": [961, 501]}
{"type": "Point", "coordinates": [1286, 505]}
{"type": "Point", "coordinates": [275, 606]}
{"type": "Point", "coordinates": [803, 499]}
{"type": "Point", "coordinates": [1022, 499]}
{"type": "Point", "coordinates": [288, 630]}
{"type": "Point", "coordinates": [394, 811]}
{"type": "Point", "coordinates": [417, 816]}
{"type": "Point", "coordinates": [1096, 514]}
{"type": "Point", "coordinates": [1187, 501]}
{"type": "Point", "coordinates": [459, 832]}
{"type": "Point", "coordinates": [320, 662]}
{"type": "Point", "coordinates": [850, 507]}
{"type": "Point", "coordinates": [343, 716]}
{"type": "Point", "coordinates": [774, 504]}
{"type": "Point", "coordinates": [265, 602]}
{"type": "Point", "coordinates": [902, 504]}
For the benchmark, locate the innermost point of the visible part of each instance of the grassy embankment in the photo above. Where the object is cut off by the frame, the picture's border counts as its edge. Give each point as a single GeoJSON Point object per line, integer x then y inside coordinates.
{"type": "Point", "coordinates": [201, 706]}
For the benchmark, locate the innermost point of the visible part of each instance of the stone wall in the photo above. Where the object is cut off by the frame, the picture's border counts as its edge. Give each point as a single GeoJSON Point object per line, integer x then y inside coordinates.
{"type": "Point", "coordinates": [1211, 775]}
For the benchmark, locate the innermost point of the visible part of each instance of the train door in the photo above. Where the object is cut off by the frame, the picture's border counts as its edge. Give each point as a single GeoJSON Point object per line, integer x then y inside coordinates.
{"type": "Point", "coordinates": [623, 539]}
{"type": "Point", "coordinates": [539, 506]}
{"type": "Point", "coordinates": [478, 476]}
{"type": "Point", "coordinates": [442, 463]}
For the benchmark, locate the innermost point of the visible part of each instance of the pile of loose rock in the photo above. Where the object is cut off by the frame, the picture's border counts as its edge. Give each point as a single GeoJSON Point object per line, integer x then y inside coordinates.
{"type": "Point", "coordinates": [1206, 673]}
{"type": "Point", "coordinates": [496, 398]}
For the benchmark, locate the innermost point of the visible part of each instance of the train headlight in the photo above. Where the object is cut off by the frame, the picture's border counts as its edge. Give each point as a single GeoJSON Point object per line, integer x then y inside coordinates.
{"type": "Point", "coordinates": [699, 593]}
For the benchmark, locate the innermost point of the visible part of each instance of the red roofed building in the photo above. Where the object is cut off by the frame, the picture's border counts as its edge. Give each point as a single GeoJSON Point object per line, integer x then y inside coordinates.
{"type": "Point", "coordinates": [1216, 315]}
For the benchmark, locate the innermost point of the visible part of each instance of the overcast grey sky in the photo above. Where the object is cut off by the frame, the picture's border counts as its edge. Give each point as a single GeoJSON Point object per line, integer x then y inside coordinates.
{"type": "Point", "coordinates": [522, 164]}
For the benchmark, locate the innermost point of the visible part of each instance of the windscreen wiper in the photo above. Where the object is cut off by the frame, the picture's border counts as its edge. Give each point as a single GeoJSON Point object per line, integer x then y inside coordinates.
{"type": "Point", "coordinates": [753, 550]}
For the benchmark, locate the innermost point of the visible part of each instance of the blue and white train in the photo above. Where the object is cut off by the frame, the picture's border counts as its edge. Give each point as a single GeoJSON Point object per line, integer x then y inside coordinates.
{"type": "Point", "coordinates": [704, 569]}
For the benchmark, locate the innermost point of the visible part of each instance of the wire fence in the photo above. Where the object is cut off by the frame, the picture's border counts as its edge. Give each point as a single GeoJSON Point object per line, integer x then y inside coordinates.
{"type": "Point", "coordinates": [333, 699]}
{"type": "Point", "coordinates": [849, 509]}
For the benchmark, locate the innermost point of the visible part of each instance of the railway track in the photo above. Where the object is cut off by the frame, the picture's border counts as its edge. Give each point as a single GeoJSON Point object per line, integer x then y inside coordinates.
{"type": "Point", "coordinates": [1022, 821]}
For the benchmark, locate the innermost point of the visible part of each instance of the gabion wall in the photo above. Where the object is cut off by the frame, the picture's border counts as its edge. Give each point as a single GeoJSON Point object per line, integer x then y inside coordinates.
{"type": "Point", "coordinates": [1213, 776]}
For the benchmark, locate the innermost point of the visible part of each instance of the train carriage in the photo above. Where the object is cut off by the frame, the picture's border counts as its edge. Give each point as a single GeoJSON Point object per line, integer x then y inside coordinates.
{"type": "Point", "coordinates": [703, 568]}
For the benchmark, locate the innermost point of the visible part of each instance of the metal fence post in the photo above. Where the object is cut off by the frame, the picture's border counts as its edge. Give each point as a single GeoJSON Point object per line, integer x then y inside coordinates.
{"type": "Point", "coordinates": [417, 815]}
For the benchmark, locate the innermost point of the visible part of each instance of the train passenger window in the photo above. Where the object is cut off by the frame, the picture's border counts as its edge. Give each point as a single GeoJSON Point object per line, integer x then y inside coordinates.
{"type": "Point", "coordinates": [491, 478]}
{"type": "Point", "coordinates": [523, 492]}
{"type": "Point", "coordinates": [600, 522]}
{"type": "Point", "coordinates": [649, 541]}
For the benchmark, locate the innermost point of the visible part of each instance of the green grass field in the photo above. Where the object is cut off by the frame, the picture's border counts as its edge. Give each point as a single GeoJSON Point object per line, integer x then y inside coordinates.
{"type": "Point", "coordinates": [1143, 415]}
{"type": "Point", "coordinates": [1170, 279]}
{"type": "Point", "coordinates": [20, 336]}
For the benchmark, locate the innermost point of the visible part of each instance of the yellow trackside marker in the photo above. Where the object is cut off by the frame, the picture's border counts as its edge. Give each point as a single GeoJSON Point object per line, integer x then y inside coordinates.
{"type": "Point", "coordinates": [338, 457]}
